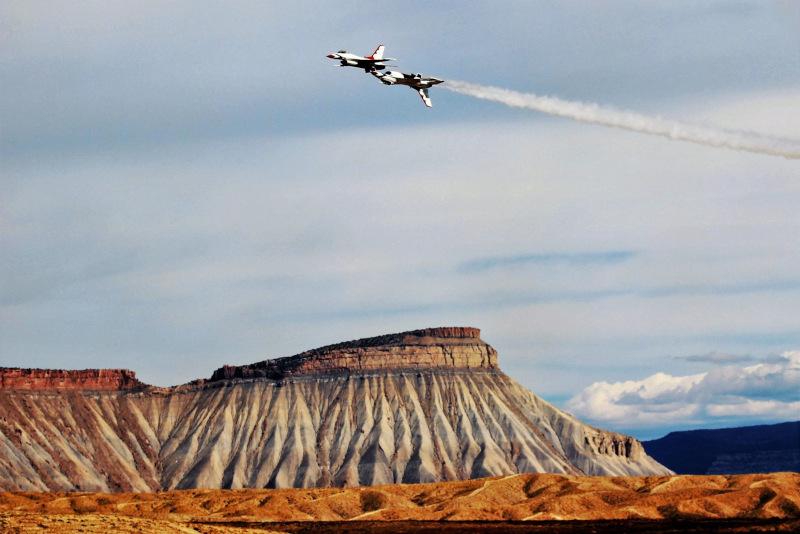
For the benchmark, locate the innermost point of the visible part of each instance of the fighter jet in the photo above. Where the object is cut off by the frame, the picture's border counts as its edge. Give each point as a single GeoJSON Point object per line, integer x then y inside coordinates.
{"type": "Point", "coordinates": [369, 63]}
{"type": "Point", "coordinates": [415, 81]}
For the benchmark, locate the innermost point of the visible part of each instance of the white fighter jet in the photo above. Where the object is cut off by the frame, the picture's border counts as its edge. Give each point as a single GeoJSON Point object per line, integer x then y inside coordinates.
{"type": "Point", "coordinates": [415, 81]}
{"type": "Point", "coordinates": [369, 63]}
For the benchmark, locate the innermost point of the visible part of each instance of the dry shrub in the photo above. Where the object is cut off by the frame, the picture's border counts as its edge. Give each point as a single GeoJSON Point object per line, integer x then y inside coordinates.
{"type": "Point", "coordinates": [371, 500]}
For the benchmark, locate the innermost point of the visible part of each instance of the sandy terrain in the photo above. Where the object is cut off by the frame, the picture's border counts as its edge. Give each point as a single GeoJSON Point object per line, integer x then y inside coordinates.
{"type": "Point", "coordinates": [520, 503]}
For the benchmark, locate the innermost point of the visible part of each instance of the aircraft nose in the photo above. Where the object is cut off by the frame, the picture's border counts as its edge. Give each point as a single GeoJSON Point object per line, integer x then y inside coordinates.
{"type": "Point", "coordinates": [331, 56]}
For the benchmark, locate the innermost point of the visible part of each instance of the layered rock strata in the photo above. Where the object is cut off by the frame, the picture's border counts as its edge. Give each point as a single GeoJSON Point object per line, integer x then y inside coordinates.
{"type": "Point", "coordinates": [432, 406]}
{"type": "Point", "coordinates": [431, 348]}
{"type": "Point", "coordinates": [87, 379]}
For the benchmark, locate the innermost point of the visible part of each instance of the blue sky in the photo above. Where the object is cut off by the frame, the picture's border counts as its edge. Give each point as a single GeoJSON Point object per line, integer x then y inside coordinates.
{"type": "Point", "coordinates": [186, 185]}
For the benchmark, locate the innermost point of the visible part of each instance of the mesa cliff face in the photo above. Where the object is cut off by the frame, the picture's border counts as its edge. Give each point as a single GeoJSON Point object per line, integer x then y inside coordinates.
{"type": "Point", "coordinates": [422, 406]}
{"type": "Point", "coordinates": [87, 379]}
{"type": "Point", "coordinates": [431, 348]}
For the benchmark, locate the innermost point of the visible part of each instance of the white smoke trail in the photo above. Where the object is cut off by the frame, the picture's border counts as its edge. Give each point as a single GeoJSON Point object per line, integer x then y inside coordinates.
{"type": "Point", "coordinates": [592, 113]}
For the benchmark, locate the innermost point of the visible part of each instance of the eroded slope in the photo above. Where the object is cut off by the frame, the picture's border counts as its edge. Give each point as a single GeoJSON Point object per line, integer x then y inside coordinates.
{"type": "Point", "coordinates": [428, 408]}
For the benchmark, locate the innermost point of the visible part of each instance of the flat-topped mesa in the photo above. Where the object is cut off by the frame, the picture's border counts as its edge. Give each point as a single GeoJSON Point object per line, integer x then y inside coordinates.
{"type": "Point", "coordinates": [86, 379]}
{"type": "Point", "coordinates": [423, 406]}
{"type": "Point", "coordinates": [430, 348]}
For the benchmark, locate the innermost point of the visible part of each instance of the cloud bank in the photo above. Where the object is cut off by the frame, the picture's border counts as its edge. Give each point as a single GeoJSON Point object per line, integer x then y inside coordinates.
{"type": "Point", "coordinates": [768, 391]}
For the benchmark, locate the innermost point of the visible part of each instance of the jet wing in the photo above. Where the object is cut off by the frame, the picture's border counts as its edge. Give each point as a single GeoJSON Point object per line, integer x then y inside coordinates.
{"type": "Point", "coordinates": [425, 98]}
{"type": "Point", "coordinates": [367, 62]}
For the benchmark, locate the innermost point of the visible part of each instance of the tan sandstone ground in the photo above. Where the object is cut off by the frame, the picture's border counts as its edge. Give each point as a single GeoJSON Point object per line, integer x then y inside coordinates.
{"type": "Point", "coordinates": [527, 497]}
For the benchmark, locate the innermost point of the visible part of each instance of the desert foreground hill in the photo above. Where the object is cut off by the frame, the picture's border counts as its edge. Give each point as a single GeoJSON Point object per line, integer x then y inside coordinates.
{"type": "Point", "coordinates": [512, 503]}
{"type": "Point", "coordinates": [423, 406]}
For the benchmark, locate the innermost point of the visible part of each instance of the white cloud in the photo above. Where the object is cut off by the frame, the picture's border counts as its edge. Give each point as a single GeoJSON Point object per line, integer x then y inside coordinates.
{"type": "Point", "coordinates": [769, 410]}
{"type": "Point", "coordinates": [766, 391]}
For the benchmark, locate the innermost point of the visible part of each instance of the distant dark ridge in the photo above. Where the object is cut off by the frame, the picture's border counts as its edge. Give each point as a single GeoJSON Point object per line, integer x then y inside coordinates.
{"type": "Point", "coordinates": [730, 451]}
{"type": "Point", "coordinates": [441, 347]}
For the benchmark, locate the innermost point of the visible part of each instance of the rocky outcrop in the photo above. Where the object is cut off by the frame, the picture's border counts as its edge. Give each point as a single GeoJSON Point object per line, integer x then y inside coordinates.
{"type": "Point", "coordinates": [615, 444]}
{"type": "Point", "coordinates": [431, 348]}
{"type": "Point", "coordinates": [433, 406]}
{"type": "Point", "coordinates": [89, 379]}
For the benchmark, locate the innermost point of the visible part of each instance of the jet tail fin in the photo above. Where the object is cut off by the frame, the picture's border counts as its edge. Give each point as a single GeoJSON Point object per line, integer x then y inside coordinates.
{"type": "Point", "coordinates": [378, 53]}
{"type": "Point", "coordinates": [425, 98]}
